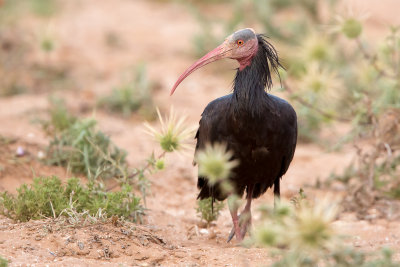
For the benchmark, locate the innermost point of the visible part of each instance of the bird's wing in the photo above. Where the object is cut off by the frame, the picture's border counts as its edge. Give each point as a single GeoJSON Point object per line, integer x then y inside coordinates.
{"type": "Point", "coordinates": [213, 125]}
{"type": "Point", "coordinates": [289, 116]}
{"type": "Point", "coordinates": [212, 128]}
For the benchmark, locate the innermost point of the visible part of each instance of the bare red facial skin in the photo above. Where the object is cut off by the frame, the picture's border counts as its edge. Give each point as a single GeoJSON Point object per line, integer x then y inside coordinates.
{"type": "Point", "coordinates": [246, 61]}
{"type": "Point", "coordinates": [243, 54]}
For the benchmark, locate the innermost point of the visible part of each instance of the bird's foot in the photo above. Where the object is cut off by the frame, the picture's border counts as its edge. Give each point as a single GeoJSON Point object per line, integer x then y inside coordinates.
{"type": "Point", "coordinates": [244, 223]}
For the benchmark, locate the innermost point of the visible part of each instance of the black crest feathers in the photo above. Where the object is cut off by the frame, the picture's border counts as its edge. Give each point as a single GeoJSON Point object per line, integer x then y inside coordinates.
{"type": "Point", "coordinates": [271, 64]}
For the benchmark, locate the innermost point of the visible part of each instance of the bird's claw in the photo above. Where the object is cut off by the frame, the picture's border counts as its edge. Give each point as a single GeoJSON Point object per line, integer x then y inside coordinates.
{"type": "Point", "coordinates": [243, 224]}
{"type": "Point", "coordinates": [231, 235]}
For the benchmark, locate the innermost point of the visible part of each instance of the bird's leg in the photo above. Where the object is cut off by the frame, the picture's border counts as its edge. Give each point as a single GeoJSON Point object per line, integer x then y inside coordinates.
{"type": "Point", "coordinates": [277, 192]}
{"type": "Point", "coordinates": [244, 218]}
{"type": "Point", "coordinates": [235, 219]}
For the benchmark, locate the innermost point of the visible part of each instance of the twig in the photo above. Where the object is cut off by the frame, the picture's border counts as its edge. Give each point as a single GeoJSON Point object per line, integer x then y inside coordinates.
{"type": "Point", "coordinates": [146, 167]}
{"type": "Point", "coordinates": [308, 104]}
{"type": "Point", "coordinates": [372, 60]}
{"type": "Point", "coordinates": [52, 209]}
{"type": "Point", "coordinates": [133, 175]}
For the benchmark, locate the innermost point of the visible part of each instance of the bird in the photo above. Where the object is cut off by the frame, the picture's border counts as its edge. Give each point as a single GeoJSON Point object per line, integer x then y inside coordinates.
{"type": "Point", "coordinates": [260, 129]}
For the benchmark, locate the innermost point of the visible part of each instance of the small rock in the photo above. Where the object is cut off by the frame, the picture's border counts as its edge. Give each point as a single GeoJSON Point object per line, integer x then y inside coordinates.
{"type": "Point", "coordinates": [204, 231]}
{"type": "Point", "coordinates": [41, 155]}
{"type": "Point", "coordinates": [81, 245]}
{"type": "Point", "coordinates": [20, 151]}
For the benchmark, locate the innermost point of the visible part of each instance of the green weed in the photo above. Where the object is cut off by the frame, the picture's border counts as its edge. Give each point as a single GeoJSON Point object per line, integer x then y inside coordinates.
{"type": "Point", "coordinates": [209, 211]}
{"type": "Point", "coordinates": [133, 95]}
{"type": "Point", "coordinates": [79, 146]}
{"type": "Point", "coordinates": [48, 197]}
{"type": "Point", "coordinates": [3, 262]}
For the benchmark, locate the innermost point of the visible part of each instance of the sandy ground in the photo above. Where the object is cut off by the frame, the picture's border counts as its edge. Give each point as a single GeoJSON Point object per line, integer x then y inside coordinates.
{"type": "Point", "coordinates": [159, 34]}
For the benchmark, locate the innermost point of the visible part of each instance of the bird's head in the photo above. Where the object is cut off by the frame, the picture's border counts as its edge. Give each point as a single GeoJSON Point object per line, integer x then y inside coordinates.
{"type": "Point", "coordinates": [241, 45]}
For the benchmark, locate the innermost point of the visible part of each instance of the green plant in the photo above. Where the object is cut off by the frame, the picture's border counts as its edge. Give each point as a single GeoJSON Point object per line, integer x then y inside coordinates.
{"type": "Point", "coordinates": [133, 95]}
{"type": "Point", "coordinates": [215, 163]}
{"type": "Point", "coordinates": [173, 136]}
{"type": "Point", "coordinates": [3, 262]}
{"type": "Point", "coordinates": [302, 235]}
{"type": "Point", "coordinates": [48, 197]}
{"type": "Point", "coordinates": [77, 144]}
{"type": "Point", "coordinates": [208, 210]}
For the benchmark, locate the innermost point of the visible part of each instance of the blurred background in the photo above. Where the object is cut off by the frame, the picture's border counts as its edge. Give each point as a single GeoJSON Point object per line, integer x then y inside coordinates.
{"type": "Point", "coordinates": [116, 61]}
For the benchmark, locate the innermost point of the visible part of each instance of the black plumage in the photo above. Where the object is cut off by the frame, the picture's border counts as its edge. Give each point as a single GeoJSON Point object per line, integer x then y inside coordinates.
{"type": "Point", "coordinates": [260, 129]}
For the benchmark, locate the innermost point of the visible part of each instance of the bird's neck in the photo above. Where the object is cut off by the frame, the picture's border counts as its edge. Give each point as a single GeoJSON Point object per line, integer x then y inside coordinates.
{"type": "Point", "coordinates": [249, 96]}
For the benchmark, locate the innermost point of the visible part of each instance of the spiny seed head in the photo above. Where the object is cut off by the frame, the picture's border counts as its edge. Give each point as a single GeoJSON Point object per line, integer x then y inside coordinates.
{"type": "Point", "coordinates": [160, 164]}
{"type": "Point", "coordinates": [307, 229]}
{"type": "Point", "coordinates": [173, 135]}
{"type": "Point", "coordinates": [312, 226]}
{"type": "Point", "coordinates": [215, 162]}
{"type": "Point", "coordinates": [350, 24]}
{"type": "Point", "coordinates": [351, 28]}
{"type": "Point", "coordinates": [316, 47]}
{"type": "Point", "coordinates": [169, 142]}
{"type": "Point", "coordinates": [319, 79]}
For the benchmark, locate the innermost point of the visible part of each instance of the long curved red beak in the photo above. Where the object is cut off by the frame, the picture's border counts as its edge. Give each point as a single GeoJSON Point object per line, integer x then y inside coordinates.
{"type": "Point", "coordinates": [215, 54]}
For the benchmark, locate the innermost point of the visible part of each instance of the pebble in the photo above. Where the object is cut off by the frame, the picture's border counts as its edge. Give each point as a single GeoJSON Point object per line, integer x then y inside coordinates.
{"type": "Point", "coordinates": [204, 231]}
{"type": "Point", "coordinates": [20, 151]}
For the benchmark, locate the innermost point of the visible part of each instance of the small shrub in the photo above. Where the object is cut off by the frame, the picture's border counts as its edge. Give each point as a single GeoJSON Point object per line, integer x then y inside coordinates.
{"type": "Point", "coordinates": [133, 95]}
{"type": "Point", "coordinates": [48, 197]}
{"type": "Point", "coordinates": [77, 144]}
{"type": "Point", "coordinates": [209, 211]}
{"type": "Point", "coordinates": [3, 262]}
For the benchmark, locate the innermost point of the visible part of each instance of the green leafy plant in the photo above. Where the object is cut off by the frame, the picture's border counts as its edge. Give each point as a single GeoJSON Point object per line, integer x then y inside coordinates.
{"type": "Point", "coordinates": [79, 146]}
{"type": "Point", "coordinates": [173, 136]}
{"type": "Point", "coordinates": [133, 95]}
{"type": "Point", "coordinates": [208, 210]}
{"type": "Point", "coordinates": [3, 262]}
{"type": "Point", "coordinates": [48, 197]}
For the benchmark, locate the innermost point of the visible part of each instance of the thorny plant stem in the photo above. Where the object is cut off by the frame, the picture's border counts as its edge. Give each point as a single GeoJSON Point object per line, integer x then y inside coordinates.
{"type": "Point", "coordinates": [133, 175]}
{"type": "Point", "coordinates": [147, 166]}
{"type": "Point", "coordinates": [372, 60]}
{"type": "Point", "coordinates": [308, 104]}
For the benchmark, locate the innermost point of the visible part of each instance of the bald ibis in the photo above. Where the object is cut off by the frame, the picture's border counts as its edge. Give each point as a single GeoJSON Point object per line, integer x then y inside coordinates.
{"type": "Point", "coordinates": [259, 128]}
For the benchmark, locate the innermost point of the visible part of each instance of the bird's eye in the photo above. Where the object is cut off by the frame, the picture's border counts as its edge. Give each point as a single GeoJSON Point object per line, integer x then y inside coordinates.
{"type": "Point", "coordinates": [239, 42]}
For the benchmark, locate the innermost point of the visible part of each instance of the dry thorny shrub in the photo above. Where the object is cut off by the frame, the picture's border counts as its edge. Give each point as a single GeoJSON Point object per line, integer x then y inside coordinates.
{"type": "Point", "coordinates": [377, 167]}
